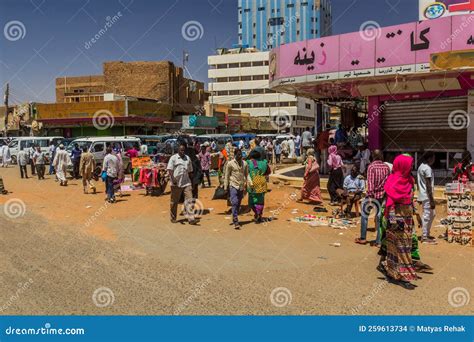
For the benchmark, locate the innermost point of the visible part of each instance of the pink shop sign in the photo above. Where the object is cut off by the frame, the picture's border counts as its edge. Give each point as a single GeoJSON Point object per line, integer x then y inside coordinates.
{"type": "Point", "coordinates": [398, 49]}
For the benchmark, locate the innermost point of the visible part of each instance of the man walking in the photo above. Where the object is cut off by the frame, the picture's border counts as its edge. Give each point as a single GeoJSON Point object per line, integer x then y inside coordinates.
{"type": "Point", "coordinates": [306, 139]}
{"type": "Point", "coordinates": [76, 160]}
{"type": "Point", "coordinates": [31, 152]}
{"type": "Point", "coordinates": [377, 174]}
{"type": "Point", "coordinates": [205, 160]}
{"type": "Point", "coordinates": [52, 151]}
{"type": "Point", "coordinates": [5, 153]}
{"type": "Point", "coordinates": [111, 168]}
{"type": "Point", "coordinates": [60, 163]}
{"type": "Point", "coordinates": [235, 183]}
{"type": "Point", "coordinates": [23, 162]}
{"type": "Point", "coordinates": [86, 169]}
{"type": "Point", "coordinates": [425, 178]}
{"type": "Point", "coordinates": [180, 169]}
{"type": "Point", "coordinates": [39, 159]}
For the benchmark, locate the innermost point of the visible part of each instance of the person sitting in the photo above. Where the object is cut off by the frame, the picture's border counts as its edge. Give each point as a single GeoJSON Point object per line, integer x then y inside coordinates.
{"type": "Point", "coordinates": [351, 194]}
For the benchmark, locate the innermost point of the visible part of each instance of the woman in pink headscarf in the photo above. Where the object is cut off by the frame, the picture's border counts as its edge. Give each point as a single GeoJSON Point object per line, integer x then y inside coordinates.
{"type": "Point", "coordinates": [398, 263]}
{"type": "Point", "coordinates": [336, 176]}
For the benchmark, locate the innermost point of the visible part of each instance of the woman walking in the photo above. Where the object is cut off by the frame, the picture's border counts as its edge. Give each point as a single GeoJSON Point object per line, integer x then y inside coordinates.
{"type": "Point", "coordinates": [336, 176]}
{"type": "Point", "coordinates": [311, 190]}
{"type": "Point", "coordinates": [397, 263]}
{"type": "Point", "coordinates": [257, 184]}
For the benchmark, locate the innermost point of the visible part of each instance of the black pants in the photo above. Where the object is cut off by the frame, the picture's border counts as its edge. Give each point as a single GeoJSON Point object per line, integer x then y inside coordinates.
{"type": "Point", "coordinates": [40, 169]}
{"type": "Point", "coordinates": [277, 158]}
{"type": "Point", "coordinates": [23, 171]}
{"type": "Point", "coordinates": [75, 172]}
{"type": "Point", "coordinates": [336, 181]}
{"type": "Point", "coordinates": [33, 168]}
{"type": "Point", "coordinates": [206, 174]}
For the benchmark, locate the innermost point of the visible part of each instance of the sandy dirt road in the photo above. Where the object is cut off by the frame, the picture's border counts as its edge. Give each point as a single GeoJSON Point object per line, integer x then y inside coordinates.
{"type": "Point", "coordinates": [69, 253]}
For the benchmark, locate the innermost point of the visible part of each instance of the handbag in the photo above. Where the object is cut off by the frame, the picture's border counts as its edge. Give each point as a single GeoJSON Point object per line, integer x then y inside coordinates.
{"type": "Point", "coordinates": [103, 175]}
{"type": "Point", "coordinates": [220, 194]}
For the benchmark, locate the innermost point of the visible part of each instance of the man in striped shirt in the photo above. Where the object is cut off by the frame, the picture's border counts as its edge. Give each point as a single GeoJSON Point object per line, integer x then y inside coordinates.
{"type": "Point", "coordinates": [377, 174]}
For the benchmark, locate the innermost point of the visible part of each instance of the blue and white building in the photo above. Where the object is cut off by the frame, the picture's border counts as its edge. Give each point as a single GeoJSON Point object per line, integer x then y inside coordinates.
{"type": "Point", "coordinates": [266, 24]}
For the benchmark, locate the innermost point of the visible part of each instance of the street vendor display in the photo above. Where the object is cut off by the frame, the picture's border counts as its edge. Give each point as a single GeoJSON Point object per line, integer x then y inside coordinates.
{"type": "Point", "coordinates": [459, 201]}
{"type": "Point", "coordinates": [152, 176]}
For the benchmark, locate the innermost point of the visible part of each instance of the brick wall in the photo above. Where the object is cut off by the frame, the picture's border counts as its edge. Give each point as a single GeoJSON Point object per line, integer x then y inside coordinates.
{"type": "Point", "coordinates": [81, 87]}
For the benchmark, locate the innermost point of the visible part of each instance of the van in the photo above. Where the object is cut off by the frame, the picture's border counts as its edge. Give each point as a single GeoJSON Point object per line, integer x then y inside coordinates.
{"type": "Point", "coordinates": [98, 145]}
{"type": "Point", "coordinates": [21, 143]}
{"type": "Point", "coordinates": [220, 139]}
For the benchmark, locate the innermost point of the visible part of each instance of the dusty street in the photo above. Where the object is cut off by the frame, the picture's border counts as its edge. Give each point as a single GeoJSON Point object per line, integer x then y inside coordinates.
{"type": "Point", "coordinates": [69, 253]}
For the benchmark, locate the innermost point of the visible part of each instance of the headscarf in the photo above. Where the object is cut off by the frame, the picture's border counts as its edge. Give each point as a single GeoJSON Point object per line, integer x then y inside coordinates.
{"type": "Point", "coordinates": [334, 160]}
{"type": "Point", "coordinates": [399, 185]}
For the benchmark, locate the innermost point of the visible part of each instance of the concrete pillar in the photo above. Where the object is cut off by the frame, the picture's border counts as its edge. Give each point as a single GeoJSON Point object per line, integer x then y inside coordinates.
{"type": "Point", "coordinates": [374, 122]}
{"type": "Point", "coordinates": [470, 122]}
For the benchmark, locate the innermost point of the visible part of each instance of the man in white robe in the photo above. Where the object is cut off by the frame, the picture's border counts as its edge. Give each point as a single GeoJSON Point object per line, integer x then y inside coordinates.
{"type": "Point", "coordinates": [61, 161]}
{"type": "Point", "coordinates": [6, 157]}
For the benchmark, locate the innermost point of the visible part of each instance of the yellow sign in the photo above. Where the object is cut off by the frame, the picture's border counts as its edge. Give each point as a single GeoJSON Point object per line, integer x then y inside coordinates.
{"type": "Point", "coordinates": [140, 162]}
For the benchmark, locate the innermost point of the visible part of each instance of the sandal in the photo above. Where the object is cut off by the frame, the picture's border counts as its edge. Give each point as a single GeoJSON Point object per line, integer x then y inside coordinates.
{"type": "Point", "coordinates": [360, 241]}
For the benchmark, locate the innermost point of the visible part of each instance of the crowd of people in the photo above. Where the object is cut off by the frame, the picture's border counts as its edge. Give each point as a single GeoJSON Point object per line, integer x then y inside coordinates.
{"type": "Point", "coordinates": [365, 182]}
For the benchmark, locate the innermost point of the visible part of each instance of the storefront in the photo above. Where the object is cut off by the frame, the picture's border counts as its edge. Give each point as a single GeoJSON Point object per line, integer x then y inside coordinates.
{"type": "Point", "coordinates": [415, 77]}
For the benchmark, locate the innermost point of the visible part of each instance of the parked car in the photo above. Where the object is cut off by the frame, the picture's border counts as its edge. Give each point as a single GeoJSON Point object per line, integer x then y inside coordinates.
{"type": "Point", "coordinates": [22, 143]}
{"type": "Point", "coordinates": [98, 145]}
{"type": "Point", "coordinates": [220, 139]}
{"type": "Point", "coordinates": [152, 141]}
{"type": "Point", "coordinates": [246, 137]}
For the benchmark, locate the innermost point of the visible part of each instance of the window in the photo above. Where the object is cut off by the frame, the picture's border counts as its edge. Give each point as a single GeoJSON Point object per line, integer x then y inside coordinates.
{"type": "Point", "coordinates": [246, 105]}
{"type": "Point", "coordinates": [290, 5]}
{"type": "Point", "coordinates": [258, 77]}
{"type": "Point", "coordinates": [259, 105]}
{"type": "Point", "coordinates": [222, 79]}
{"type": "Point", "coordinates": [233, 65]}
{"type": "Point", "coordinates": [284, 104]}
{"type": "Point", "coordinates": [246, 91]}
{"type": "Point", "coordinates": [98, 147]}
{"type": "Point", "coordinates": [235, 106]}
{"type": "Point", "coordinates": [308, 105]}
{"type": "Point", "coordinates": [234, 79]}
{"type": "Point", "coordinates": [222, 66]}
{"type": "Point", "coordinates": [276, 21]}
{"type": "Point", "coordinates": [261, 8]}
{"type": "Point", "coordinates": [247, 10]}
{"type": "Point", "coordinates": [245, 64]}
{"type": "Point", "coordinates": [257, 64]}
{"type": "Point", "coordinates": [258, 91]}
{"type": "Point", "coordinates": [233, 92]}
{"type": "Point", "coordinates": [246, 78]}
{"type": "Point", "coordinates": [222, 93]}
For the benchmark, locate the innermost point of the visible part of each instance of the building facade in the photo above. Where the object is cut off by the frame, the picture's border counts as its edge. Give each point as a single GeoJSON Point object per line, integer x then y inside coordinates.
{"type": "Point", "coordinates": [161, 81]}
{"type": "Point", "coordinates": [239, 78]}
{"type": "Point", "coordinates": [266, 24]}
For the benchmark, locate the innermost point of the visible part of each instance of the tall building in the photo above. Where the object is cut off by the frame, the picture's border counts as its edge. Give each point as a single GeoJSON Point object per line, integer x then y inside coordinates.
{"type": "Point", "coordinates": [266, 24]}
{"type": "Point", "coordinates": [239, 78]}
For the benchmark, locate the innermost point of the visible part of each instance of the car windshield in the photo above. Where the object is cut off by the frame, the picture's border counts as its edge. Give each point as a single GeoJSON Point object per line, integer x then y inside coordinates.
{"type": "Point", "coordinates": [80, 143]}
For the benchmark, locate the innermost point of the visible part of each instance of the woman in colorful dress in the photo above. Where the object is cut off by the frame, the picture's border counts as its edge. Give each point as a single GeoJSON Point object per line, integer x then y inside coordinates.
{"type": "Point", "coordinates": [398, 264]}
{"type": "Point", "coordinates": [336, 176]}
{"type": "Point", "coordinates": [311, 190]}
{"type": "Point", "coordinates": [257, 184]}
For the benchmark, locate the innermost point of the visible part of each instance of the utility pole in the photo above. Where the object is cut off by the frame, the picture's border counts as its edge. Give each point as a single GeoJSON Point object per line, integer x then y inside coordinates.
{"type": "Point", "coordinates": [5, 101]}
{"type": "Point", "coordinates": [185, 60]}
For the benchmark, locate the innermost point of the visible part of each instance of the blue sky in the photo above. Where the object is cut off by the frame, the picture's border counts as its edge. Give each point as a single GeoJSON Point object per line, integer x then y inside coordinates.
{"type": "Point", "coordinates": [53, 41]}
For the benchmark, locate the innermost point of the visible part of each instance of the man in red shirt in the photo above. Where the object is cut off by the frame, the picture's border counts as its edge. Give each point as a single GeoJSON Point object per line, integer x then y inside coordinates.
{"type": "Point", "coordinates": [322, 145]}
{"type": "Point", "coordinates": [377, 174]}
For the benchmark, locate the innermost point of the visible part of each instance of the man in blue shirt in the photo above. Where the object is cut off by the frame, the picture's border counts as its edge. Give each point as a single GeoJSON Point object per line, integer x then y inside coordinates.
{"type": "Point", "coordinates": [76, 160]}
{"type": "Point", "coordinates": [341, 135]}
{"type": "Point", "coordinates": [354, 186]}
